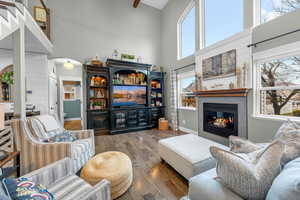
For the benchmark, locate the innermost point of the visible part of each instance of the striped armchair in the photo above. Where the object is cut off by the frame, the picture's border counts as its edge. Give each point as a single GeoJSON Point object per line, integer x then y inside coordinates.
{"type": "Point", "coordinates": [36, 154]}
{"type": "Point", "coordinates": [65, 185]}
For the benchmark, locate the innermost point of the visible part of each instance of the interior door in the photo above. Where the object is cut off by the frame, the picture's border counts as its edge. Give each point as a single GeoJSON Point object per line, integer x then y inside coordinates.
{"type": "Point", "coordinates": [53, 105]}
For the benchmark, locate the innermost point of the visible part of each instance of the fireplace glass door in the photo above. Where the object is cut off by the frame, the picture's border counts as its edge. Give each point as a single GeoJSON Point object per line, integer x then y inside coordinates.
{"type": "Point", "coordinates": [221, 119]}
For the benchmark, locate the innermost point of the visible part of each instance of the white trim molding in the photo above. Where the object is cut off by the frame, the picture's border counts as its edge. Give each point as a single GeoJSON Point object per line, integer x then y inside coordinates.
{"type": "Point", "coordinates": [244, 34]}
{"type": "Point", "coordinates": [186, 11]}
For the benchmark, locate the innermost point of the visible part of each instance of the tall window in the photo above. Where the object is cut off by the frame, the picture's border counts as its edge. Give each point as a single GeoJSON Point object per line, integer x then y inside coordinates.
{"type": "Point", "coordinates": [270, 9]}
{"type": "Point", "coordinates": [187, 32]}
{"type": "Point", "coordinates": [279, 87]}
{"type": "Point", "coordinates": [186, 88]}
{"type": "Point", "coordinates": [222, 19]}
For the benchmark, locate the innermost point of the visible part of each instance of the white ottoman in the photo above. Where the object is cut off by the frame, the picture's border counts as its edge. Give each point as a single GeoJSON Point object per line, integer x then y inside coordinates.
{"type": "Point", "coordinates": [188, 154]}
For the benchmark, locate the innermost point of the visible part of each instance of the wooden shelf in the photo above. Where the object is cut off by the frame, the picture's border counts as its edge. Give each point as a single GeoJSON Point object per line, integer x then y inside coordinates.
{"type": "Point", "coordinates": [98, 97]}
{"type": "Point", "coordinates": [240, 92]}
{"type": "Point", "coordinates": [129, 85]}
{"type": "Point", "coordinates": [98, 87]}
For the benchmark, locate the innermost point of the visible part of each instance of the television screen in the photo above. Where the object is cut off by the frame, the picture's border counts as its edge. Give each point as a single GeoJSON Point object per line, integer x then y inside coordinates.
{"type": "Point", "coordinates": [129, 95]}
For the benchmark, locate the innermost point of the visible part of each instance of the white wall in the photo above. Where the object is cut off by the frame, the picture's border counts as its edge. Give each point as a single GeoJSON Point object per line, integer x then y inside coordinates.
{"type": "Point", "coordinates": [36, 77]}
{"type": "Point", "coordinates": [82, 29]}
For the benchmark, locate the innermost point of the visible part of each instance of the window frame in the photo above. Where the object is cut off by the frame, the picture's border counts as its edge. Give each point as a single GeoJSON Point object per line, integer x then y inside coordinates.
{"type": "Point", "coordinates": [186, 11]}
{"type": "Point", "coordinates": [181, 76]}
{"type": "Point", "coordinates": [285, 51]}
{"type": "Point", "coordinates": [257, 13]}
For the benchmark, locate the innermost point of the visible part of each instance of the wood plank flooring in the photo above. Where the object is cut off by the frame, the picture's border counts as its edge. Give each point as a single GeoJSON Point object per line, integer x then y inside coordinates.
{"type": "Point", "coordinates": [73, 125]}
{"type": "Point", "coordinates": [153, 180]}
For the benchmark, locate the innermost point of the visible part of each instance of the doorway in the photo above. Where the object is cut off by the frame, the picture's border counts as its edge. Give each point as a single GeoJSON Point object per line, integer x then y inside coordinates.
{"type": "Point", "coordinates": [71, 102]}
{"type": "Point", "coordinates": [68, 73]}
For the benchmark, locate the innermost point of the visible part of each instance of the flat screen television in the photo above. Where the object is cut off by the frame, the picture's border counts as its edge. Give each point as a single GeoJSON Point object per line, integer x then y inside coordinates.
{"type": "Point", "coordinates": [129, 96]}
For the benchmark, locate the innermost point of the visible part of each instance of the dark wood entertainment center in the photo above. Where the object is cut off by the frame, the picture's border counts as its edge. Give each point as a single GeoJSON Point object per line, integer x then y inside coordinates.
{"type": "Point", "coordinates": [107, 91]}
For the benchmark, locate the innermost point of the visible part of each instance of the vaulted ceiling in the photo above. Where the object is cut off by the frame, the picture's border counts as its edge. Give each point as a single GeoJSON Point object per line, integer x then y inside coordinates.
{"type": "Point", "coordinates": [159, 4]}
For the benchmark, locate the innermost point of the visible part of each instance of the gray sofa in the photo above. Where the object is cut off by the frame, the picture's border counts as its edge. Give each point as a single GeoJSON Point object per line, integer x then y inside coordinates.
{"type": "Point", "coordinates": [286, 186]}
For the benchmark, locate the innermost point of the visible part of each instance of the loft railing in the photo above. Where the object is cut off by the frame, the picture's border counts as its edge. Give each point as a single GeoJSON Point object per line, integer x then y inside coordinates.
{"type": "Point", "coordinates": [11, 3]}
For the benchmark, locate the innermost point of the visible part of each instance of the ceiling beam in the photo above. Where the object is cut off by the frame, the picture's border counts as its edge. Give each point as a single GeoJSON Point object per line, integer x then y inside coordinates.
{"type": "Point", "coordinates": [136, 3]}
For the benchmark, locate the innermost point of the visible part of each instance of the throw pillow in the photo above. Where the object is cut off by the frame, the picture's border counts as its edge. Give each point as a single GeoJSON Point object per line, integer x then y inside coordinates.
{"type": "Point", "coordinates": [66, 136]}
{"type": "Point", "coordinates": [287, 183]}
{"type": "Point", "coordinates": [292, 146]}
{"type": "Point", "coordinates": [23, 189]}
{"type": "Point", "coordinates": [251, 179]}
{"type": "Point", "coordinates": [240, 145]}
{"type": "Point", "coordinates": [287, 126]}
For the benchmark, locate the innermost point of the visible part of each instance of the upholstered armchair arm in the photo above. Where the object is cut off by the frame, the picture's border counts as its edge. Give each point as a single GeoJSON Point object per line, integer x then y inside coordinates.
{"type": "Point", "coordinates": [36, 154]}
{"type": "Point", "coordinates": [101, 191]}
{"type": "Point", "coordinates": [49, 174]}
{"type": "Point", "coordinates": [83, 134]}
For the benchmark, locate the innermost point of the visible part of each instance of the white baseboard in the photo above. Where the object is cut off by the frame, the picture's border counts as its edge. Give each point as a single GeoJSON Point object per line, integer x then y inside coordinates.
{"type": "Point", "coordinates": [72, 119]}
{"type": "Point", "coordinates": [186, 130]}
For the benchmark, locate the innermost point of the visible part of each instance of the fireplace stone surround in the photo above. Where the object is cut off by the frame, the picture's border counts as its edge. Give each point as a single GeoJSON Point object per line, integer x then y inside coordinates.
{"type": "Point", "coordinates": [234, 97]}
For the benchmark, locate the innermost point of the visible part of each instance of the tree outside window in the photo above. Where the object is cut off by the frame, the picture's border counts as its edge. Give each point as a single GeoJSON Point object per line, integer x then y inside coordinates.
{"type": "Point", "coordinates": [186, 87]}
{"type": "Point", "coordinates": [271, 9]}
{"type": "Point", "coordinates": [280, 87]}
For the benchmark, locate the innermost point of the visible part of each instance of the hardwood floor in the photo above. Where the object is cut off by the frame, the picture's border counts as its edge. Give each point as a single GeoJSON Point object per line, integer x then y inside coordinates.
{"type": "Point", "coordinates": [73, 125]}
{"type": "Point", "coordinates": [153, 180]}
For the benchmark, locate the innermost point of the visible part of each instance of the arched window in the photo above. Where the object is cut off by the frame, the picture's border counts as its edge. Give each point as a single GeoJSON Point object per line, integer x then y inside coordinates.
{"type": "Point", "coordinates": [187, 32]}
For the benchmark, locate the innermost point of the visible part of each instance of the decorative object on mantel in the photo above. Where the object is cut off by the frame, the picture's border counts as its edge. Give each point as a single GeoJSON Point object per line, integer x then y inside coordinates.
{"type": "Point", "coordinates": [222, 65]}
{"type": "Point", "coordinates": [127, 57]}
{"type": "Point", "coordinates": [239, 92]}
{"type": "Point", "coordinates": [231, 85]}
{"type": "Point", "coordinates": [115, 54]}
{"type": "Point", "coordinates": [155, 68]}
{"type": "Point", "coordinates": [96, 62]}
{"type": "Point", "coordinates": [242, 76]}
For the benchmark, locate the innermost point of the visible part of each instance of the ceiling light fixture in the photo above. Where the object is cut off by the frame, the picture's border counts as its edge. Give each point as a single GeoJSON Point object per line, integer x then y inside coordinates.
{"type": "Point", "coordinates": [68, 65]}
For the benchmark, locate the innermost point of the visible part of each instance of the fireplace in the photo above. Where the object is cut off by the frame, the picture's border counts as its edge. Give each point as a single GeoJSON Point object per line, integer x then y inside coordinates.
{"type": "Point", "coordinates": [223, 113]}
{"type": "Point", "coordinates": [220, 119]}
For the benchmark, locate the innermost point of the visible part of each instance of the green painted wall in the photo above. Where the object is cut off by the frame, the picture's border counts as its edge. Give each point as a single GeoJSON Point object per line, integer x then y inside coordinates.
{"type": "Point", "coordinates": [72, 109]}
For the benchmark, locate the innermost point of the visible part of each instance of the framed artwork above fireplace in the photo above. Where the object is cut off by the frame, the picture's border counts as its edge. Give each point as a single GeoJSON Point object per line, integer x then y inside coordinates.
{"type": "Point", "coordinates": [222, 65]}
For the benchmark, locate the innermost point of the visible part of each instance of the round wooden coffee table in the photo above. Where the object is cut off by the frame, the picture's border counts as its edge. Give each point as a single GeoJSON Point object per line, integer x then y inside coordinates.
{"type": "Point", "coordinates": [115, 167]}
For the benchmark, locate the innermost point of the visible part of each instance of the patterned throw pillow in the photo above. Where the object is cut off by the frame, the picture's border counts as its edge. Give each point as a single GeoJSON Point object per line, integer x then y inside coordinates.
{"type": "Point", "coordinates": [286, 127]}
{"type": "Point", "coordinates": [241, 145]}
{"type": "Point", "coordinates": [250, 178]}
{"type": "Point", "coordinates": [23, 189]}
{"type": "Point", "coordinates": [66, 136]}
